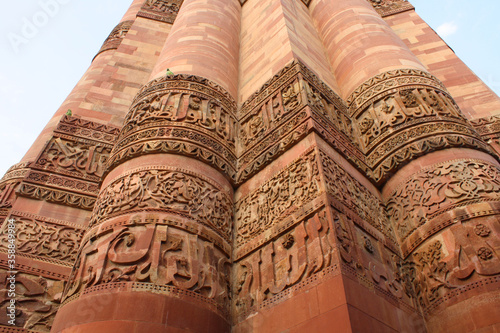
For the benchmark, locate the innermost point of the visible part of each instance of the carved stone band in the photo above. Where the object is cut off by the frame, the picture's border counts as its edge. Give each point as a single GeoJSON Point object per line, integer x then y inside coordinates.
{"type": "Point", "coordinates": [115, 37]}
{"type": "Point", "coordinates": [159, 188]}
{"type": "Point", "coordinates": [152, 255]}
{"type": "Point", "coordinates": [181, 114]}
{"type": "Point", "coordinates": [402, 114]}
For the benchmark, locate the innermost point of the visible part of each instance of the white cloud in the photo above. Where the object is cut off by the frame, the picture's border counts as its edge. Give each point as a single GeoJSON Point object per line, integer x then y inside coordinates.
{"type": "Point", "coordinates": [447, 29]}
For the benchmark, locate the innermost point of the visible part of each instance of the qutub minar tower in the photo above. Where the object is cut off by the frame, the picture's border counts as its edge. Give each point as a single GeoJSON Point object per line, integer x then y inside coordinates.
{"type": "Point", "coordinates": [261, 166]}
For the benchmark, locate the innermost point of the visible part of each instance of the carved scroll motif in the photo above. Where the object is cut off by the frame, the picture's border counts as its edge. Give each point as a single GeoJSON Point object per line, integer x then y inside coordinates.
{"type": "Point", "coordinates": [42, 239]}
{"type": "Point", "coordinates": [440, 188]}
{"type": "Point", "coordinates": [152, 254]}
{"type": "Point", "coordinates": [115, 37]}
{"type": "Point", "coordinates": [391, 7]}
{"type": "Point", "coordinates": [181, 114]}
{"type": "Point", "coordinates": [293, 187]}
{"type": "Point", "coordinates": [37, 300]}
{"type": "Point", "coordinates": [176, 191]}
{"type": "Point", "coordinates": [161, 10]}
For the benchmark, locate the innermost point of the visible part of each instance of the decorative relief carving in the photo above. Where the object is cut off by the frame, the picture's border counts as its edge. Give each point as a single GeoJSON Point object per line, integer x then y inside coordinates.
{"type": "Point", "coordinates": [353, 195]}
{"type": "Point", "coordinates": [55, 196]}
{"type": "Point", "coordinates": [115, 37]}
{"type": "Point", "coordinates": [152, 254]}
{"type": "Point", "coordinates": [440, 188]}
{"type": "Point", "coordinates": [16, 171]}
{"type": "Point", "coordinates": [39, 238]}
{"type": "Point", "coordinates": [65, 183]}
{"type": "Point", "coordinates": [182, 114]}
{"type": "Point", "coordinates": [401, 114]}
{"type": "Point", "coordinates": [441, 273]}
{"type": "Point", "coordinates": [162, 188]}
{"type": "Point", "coordinates": [309, 249]}
{"type": "Point", "coordinates": [37, 300]}
{"type": "Point", "coordinates": [87, 129]}
{"type": "Point", "coordinates": [161, 10]}
{"type": "Point", "coordinates": [391, 7]}
{"type": "Point", "coordinates": [292, 188]}
{"type": "Point", "coordinates": [274, 118]}
{"type": "Point", "coordinates": [78, 158]}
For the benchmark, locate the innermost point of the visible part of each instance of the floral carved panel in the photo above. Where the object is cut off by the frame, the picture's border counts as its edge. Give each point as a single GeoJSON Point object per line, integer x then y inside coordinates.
{"type": "Point", "coordinates": [160, 188]}
{"type": "Point", "coordinates": [438, 189]}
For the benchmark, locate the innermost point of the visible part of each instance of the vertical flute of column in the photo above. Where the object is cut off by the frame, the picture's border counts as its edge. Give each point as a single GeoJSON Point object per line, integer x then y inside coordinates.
{"type": "Point", "coordinates": [443, 205]}
{"type": "Point", "coordinates": [157, 251]}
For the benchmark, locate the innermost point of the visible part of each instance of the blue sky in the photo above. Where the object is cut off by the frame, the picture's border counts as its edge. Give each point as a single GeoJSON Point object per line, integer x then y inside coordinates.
{"type": "Point", "coordinates": [40, 66]}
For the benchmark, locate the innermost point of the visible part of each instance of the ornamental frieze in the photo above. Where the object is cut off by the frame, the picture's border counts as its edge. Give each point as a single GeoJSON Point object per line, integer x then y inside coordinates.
{"type": "Point", "coordinates": [86, 129]}
{"type": "Point", "coordinates": [441, 272]}
{"type": "Point", "coordinates": [37, 301]}
{"type": "Point", "coordinates": [438, 189]}
{"type": "Point", "coordinates": [161, 10]}
{"type": "Point", "coordinates": [182, 114]}
{"type": "Point", "coordinates": [115, 37]}
{"type": "Point", "coordinates": [74, 157]}
{"type": "Point", "coordinates": [61, 197]}
{"type": "Point", "coordinates": [277, 116]}
{"type": "Point", "coordinates": [39, 238]}
{"type": "Point", "coordinates": [155, 255]}
{"type": "Point", "coordinates": [167, 189]}
{"type": "Point", "coordinates": [293, 187]}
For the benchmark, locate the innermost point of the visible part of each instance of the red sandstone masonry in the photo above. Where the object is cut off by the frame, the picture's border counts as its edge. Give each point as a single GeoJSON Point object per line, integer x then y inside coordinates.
{"type": "Point", "coordinates": [476, 100]}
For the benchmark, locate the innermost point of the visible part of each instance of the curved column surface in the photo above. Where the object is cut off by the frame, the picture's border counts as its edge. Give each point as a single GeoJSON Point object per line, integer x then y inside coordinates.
{"type": "Point", "coordinates": [359, 43]}
{"type": "Point", "coordinates": [445, 211]}
{"type": "Point", "coordinates": [204, 41]}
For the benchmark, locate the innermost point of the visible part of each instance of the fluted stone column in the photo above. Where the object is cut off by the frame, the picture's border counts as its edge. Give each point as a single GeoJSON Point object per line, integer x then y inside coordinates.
{"type": "Point", "coordinates": [443, 205]}
{"type": "Point", "coordinates": [156, 255]}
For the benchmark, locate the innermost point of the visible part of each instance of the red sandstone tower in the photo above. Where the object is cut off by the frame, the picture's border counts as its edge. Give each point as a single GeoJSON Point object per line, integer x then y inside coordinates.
{"type": "Point", "coordinates": [309, 166]}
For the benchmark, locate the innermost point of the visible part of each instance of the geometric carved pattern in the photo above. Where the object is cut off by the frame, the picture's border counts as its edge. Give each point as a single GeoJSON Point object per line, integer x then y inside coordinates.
{"type": "Point", "coordinates": [183, 114]}
{"type": "Point", "coordinates": [391, 7]}
{"type": "Point", "coordinates": [161, 10]}
{"type": "Point", "coordinates": [115, 37]}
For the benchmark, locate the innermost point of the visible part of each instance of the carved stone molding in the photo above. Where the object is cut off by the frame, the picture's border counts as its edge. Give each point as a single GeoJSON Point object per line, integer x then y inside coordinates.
{"type": "Point", "coordinates": [402, 114]}
{"type": "Point", "coordinates": [17, 171]}
{"type": "Point", "coordinates": [278, 116]}
{"type": "Point", "coordinates": [440, 188]}
{"type": "Point", "coordinates": [443, 273]}
{"type": "Point", "coordinates": [115, 37]}
{"type": "Point", "coordinates": [87, 129]}
{"type": "Point", "coordinates": [42, 238]}
{"type": "Point", "coordinates": [152, 255]}
{"type": "Point", "coordinates": [181, 114]}
{"type": "Point", "coordinates": [292, 188]}
{"type": "Point", "coordinates": [354, 196]}
{"type": "Point", "coordinates": [56, 196]}
{"type": "Point", "coordinates": [167, 189]}
{"type": "Point", "coordinates": [161, 10]}
{"type": "Point", "coordinates": [391, 7]}
{"type": "Point", "coordinates": [37, 301]}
